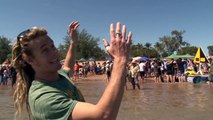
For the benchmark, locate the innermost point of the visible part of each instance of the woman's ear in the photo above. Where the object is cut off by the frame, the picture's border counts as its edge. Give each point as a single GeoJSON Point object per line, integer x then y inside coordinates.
{"type": "Point", "coordinates": [28, 59]}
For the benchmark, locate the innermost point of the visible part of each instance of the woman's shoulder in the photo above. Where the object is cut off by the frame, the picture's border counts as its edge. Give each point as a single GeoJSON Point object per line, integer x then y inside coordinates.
{"type": "Point", "coordinates": [39, 87]}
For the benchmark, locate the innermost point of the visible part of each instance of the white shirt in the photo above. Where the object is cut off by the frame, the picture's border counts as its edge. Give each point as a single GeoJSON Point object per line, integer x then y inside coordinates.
{"type": "Point", "coordinates": [142, 66]}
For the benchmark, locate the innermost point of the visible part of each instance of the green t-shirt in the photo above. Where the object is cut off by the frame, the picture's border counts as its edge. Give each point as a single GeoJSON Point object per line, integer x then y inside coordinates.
{"type": "Point", "coordinates": [53, 100]}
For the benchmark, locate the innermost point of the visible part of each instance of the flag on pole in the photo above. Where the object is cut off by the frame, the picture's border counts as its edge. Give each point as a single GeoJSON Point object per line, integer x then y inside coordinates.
{"type": "Point", "coordinates": [200, 56]}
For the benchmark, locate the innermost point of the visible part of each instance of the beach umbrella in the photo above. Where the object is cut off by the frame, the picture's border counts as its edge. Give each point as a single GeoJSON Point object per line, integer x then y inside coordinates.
{"type": "Point", "coordinates": [91, 59]}
{"type": "Point", "coordinates": [144, 58]}
{"type": "Point", "coordinates": [179, 56]}
{"type": "Point", "coordinates": [140, 58]}
{"type": "Point", "coordinates": [187, 56]}
{"type": "Point", "coordinates": [172, 56]}
{"type": "Point", "coordinates": [135, 58]}
{"type": "Point", "coordinates": [82, 60]}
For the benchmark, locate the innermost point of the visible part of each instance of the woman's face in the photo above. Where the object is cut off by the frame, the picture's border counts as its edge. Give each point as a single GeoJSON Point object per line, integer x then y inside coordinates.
{"type": "Point", "coordinates": [45, 55]}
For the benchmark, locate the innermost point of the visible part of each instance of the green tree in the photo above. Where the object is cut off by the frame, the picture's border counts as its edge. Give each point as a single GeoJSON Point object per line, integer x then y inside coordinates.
{"type": "Point", "coordinates": [152, 53]}
{"type": "Point", "coordinates": [62, 50]}
{"type": "Point", "coordinates": [139, 50]}
{"type": "Point", "coordinates": [173, 43]}
{"type": "Point", "coordinates": [136, 50]}
{"type": "Point", "coordinates": [168, 44]}
{"type": "Point", "coordinates": [210, 50]}
{"type": "Point", "coordinates": [5, 48]}
{"type": "Point", "coordinates": [87, 47]}
{"type": "Point", "coordinates": [159, 47]}
{"type": "Point", "coordinates": [148, 45]}
{"type": "Point", "coordinates": [188, 50]}
{"type": "Point", "coordinates": [178, 36]}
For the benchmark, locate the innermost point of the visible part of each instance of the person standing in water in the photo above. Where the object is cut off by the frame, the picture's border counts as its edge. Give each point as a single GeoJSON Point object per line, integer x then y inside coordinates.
{"type": "Point", "coordinates": [134, 70]}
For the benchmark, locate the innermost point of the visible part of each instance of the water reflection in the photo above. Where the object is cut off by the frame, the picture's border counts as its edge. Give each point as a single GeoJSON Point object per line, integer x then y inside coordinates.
{"type": "Point", "coordinates": [153, 102]}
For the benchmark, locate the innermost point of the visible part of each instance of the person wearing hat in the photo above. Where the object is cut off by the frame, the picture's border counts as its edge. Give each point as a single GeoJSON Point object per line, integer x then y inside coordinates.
{"type": "Point", "coordinates": [108, 69]}
{"type": "Point", "coordinates": [134, 70]}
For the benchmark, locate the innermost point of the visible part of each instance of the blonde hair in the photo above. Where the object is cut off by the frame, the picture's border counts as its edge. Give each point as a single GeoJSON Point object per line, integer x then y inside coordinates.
{"type": "Point", "coordinates": [25, 73]}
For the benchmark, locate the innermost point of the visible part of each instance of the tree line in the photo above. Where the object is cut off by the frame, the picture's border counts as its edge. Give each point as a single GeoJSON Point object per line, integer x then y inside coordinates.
{"type": "Point", "coordinates": [88, 47]}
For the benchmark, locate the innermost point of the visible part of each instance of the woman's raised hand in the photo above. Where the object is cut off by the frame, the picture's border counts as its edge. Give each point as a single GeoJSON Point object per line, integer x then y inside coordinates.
{"type": "Point", "coordinates": [72, 30]}
{"type": "Point", "coordinates": [119, 46]}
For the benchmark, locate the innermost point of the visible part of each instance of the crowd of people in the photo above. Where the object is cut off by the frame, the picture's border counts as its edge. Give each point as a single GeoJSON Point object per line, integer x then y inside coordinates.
{"type": "Point", "coordinates": [165, 70]}
{"type": "Point", "coordinates": [82, 69]}
{"type": "Point", "coordinates": [162, 70]}
{"type": "Point", "coordinates": [138, 72]}
{"type": "Point", "coordinates": [7, 74]}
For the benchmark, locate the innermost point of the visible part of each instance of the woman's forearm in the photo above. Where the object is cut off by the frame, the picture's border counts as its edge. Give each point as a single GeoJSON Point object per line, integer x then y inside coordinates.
{"type": "Point", "coordinates": [111, 99]}
{"type": "Point", "coordinates": [70, 57]}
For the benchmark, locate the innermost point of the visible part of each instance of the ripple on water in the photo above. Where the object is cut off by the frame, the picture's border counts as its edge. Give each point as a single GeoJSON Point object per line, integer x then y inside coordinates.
{"type": "Point", "coordinates": [153, 102]}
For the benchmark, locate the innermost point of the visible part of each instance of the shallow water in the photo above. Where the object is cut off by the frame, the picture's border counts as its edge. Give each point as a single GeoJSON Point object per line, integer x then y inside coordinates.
{"type": "Point", "coordinates": [153, 102]}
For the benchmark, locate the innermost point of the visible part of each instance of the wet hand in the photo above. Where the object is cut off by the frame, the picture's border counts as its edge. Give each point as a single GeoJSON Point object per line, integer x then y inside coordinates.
{"type": "Point", "coordinates": [119, 46]}
{"type": "Point", "coordinates": [72, 31]}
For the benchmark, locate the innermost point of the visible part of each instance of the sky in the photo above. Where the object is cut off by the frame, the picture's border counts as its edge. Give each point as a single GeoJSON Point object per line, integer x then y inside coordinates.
{"type": "Point", "coordinates": [148, 20]}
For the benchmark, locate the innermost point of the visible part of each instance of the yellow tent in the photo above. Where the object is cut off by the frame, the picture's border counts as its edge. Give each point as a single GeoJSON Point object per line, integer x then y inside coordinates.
{"type": "Point", "coordinates": [200, 57]}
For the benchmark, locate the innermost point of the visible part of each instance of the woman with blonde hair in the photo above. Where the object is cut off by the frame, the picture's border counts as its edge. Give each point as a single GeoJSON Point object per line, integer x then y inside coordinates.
{"type": "Point", "coordinates": [45, 87]}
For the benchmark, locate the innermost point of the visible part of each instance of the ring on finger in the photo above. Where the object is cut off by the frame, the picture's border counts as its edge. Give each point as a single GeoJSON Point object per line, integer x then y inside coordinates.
{"type": "Point", "coordinates": [119, 34]}
{"type": "Point", "coordinates": [107, 47]}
